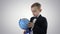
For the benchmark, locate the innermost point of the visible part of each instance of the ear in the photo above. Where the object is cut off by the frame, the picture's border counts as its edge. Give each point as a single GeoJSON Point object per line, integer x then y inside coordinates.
{"type": "Point", "coordinates": [40, 10]}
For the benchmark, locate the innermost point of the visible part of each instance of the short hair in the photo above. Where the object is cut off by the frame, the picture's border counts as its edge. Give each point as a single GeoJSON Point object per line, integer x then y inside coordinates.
{"type": "Point", "coordinates": [36, 4]}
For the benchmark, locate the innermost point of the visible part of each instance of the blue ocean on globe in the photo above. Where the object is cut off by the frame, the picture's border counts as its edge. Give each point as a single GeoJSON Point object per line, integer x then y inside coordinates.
{"type": "Point", "coordinates": [23, 23]}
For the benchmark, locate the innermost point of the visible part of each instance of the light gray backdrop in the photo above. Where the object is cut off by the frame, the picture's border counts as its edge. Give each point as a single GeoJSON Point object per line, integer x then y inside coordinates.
{"type": "Point", "coordinates": [12, 10]}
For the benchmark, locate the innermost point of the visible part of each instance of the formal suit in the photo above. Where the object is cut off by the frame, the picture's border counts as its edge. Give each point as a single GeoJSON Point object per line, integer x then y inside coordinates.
{"type": "Point", "coordinates": [40, 26]}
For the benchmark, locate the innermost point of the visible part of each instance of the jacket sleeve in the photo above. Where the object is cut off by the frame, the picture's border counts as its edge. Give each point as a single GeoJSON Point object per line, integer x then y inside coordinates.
{"type": "Point", "coordinates": [31, 19]}
{"type": "Point", "coordinates": [44, 26]}
{"type": "Point", "coordinates": [41, 26]}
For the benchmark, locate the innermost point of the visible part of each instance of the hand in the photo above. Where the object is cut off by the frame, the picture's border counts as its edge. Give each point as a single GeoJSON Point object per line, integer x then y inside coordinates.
{"type": "Point", "coordinates": [30, 24]}
{"type": "Point", "coordinates": [24, 32]}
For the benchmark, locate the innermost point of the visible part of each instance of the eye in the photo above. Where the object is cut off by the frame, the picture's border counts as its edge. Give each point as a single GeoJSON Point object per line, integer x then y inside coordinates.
{"type": "Point", "coordinates": [34, 11]}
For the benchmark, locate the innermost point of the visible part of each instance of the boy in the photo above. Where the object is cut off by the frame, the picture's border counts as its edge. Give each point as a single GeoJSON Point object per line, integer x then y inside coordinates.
{"type": "Point", "coordinates": [40, 25]}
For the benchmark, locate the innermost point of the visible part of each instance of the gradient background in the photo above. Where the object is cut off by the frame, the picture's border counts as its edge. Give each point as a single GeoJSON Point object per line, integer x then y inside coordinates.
{"type": "Point", "coordinates": [12, 10]}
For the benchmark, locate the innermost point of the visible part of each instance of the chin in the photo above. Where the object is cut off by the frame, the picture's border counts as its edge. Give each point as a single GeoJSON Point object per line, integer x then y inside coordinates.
{"type": "Point", "coordinates": [35, 15]}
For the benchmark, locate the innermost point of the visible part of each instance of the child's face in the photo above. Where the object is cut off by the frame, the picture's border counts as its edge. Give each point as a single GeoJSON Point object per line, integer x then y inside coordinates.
{"type": "Point", "coordinates": [36, 11]}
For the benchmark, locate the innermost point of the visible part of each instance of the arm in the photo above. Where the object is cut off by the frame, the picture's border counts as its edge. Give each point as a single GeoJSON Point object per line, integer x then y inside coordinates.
{"type": "Point", "coordinates": [41, 26]}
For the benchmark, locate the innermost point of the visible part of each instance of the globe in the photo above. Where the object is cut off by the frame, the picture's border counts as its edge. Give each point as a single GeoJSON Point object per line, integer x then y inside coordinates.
{"type": "Point", "coordinates": [23, 23]}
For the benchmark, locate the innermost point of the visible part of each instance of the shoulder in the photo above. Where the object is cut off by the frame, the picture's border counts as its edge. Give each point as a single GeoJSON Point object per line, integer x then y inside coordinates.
{"type": "Point", "coordinates": [42, 18]}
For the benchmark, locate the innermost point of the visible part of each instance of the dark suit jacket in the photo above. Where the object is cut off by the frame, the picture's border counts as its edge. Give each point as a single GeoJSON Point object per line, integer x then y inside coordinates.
{"type": "Point", "coordinates": [40, 26]}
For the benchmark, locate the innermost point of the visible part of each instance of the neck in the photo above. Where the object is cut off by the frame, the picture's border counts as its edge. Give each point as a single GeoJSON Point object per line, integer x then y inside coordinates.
{"type": "Point", "coordinates": [38, 15]}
